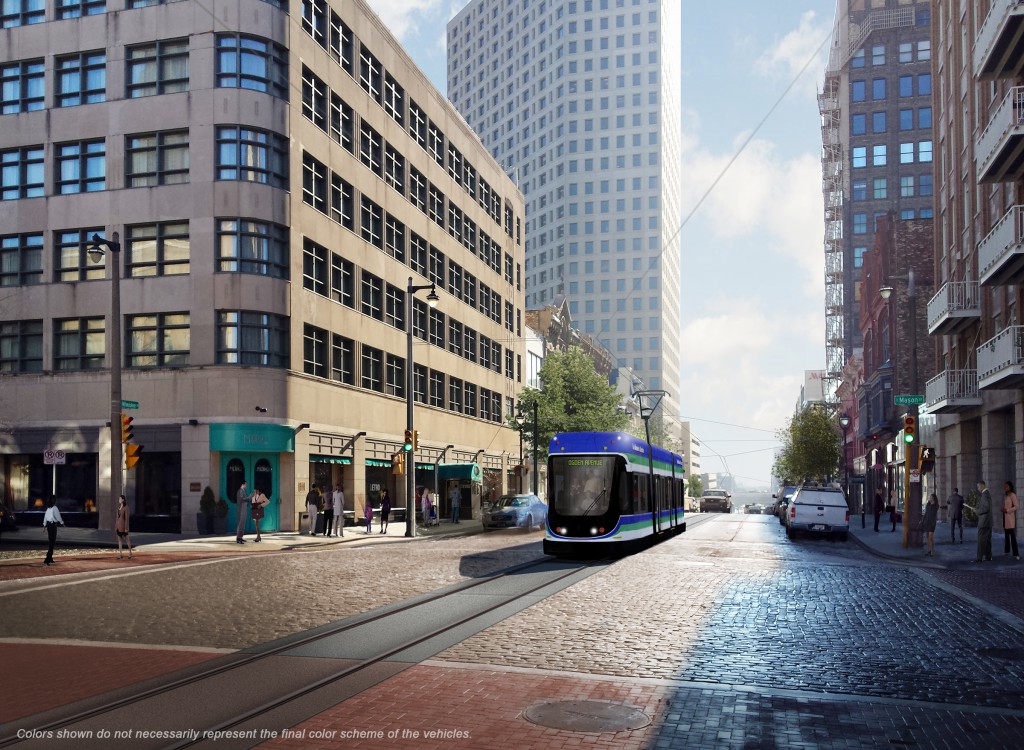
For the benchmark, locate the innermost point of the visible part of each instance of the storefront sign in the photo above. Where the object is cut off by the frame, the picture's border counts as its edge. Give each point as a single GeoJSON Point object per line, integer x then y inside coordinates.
{"type": "Point", "coordinates": [195, 486]}
{"type": "Point", "coordinates": [253, 438]}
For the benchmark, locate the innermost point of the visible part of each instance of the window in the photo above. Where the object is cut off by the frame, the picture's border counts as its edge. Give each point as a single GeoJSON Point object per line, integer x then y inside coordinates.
{"type": "Point", "coordinates": [372, 222]}
{"type": "Point", "coordinates": [370, 74]}
{"type": "Point", "coordinates": [247, 246]}
{"type": "Point", "coordinates": [79, 344]}
{"type": "Point", "coordinates": [860, 223]}
{"type": "Point", "coordinates": [860, 190]}
{"type": "Point", "coordinates": [157, 68]}
{"type": "Point", "coordinates": [23, 86]}
{"type": "Point", "coordinates": [436, 389]}
{"type": "Point", "coordinates": [881, 188]}
{"type": "Point", "coordinates": [343, 281]}
{"type": "Point", "coordinates": [21, 259]}
{"type": "Point", "coordinates": [341, 123]}
{"type": "Point", "coordinates": [924, 151]}
{"type": "Point", "coordinates": [79, 8]}
{"type": "Point", "coordinates": [248, 337]}
{"type": "Point", "coordinates": [906, 153]}
{"type": "Point", "coordinates": [372, 297]}
{"type": "Point", "coordinates": [395, 376]}
{"type": "Point", "coordinates": [858, 124]}
{"type": "Point", "coordinates": [859, 156]}
{"type": "Point", "coordinates": [314, 351]}
{"type": "Point", "coordinates": [878, 89]}
{"type": "Point", "coordinates": [80, 79]}
{"type": "Point", "coordinates": [857, 61]}
{"type": "Point", "coordinates": [906, 214]}
{"type": "Point", "coordinates": [394, 97]}
{"type": "Point", "coordinates": [371, 149]}
{"type": "Point", "coordinates": [455, 336]}
{"type": "Point", "coordinates": [71, 257]}
{"type": "Point", "coordinates": [314, 99]}
{"type": "Point", "coordinates": [878, 156]}
{"type": "Point", "coordinates": [21, 345]}
{"type": "Point", "coordinates": [906, 52]}
{"type": "Point", "coordinates": [924, 117]}
{"type": "Point", "coordinates": [394, 168]}
{"type": "Point", "coordinates": [924, 186]}
{"type": "Point", "coordinates": [158, 340]}
{"type": "Point", "coordinates": [906, 85]}
{"type": "Point", "coordinates": [372, 370]}
{"type": "Point", "coordinates": [156, 158]}
{"type": "Point", "coordinates": [858, 256]}
{"type": "Point", "coordinates": [250, 62]}
{"type": "Point", "coordinates": [314, 183]}
{"type": "Point", "coordinates": [394, 238]}
{"type": "Point", "coordinates": [436, 334]}
{"type": "Point", "coordinates": [251, 155]}
{"type": "Point", "coordinates": [906, 119]}
{"type": "Point", "coordinates": [80, 167]}
{"type": "Point", "coordinates": [878, 122]}
{"type": "Point", "coordinates": [160, 249]}
{"type": "Point", "coordinates": [22, 13]}
{"type": "Point", "coordinates": [343, 359]}
{"type": "Point", "coordinates": [455, 395]}
{"type": "Point", "coordinates": [394, 307]}
{"type": "Point", "coordinates": [924, 50]}
{"type": "Point", "coordinates": [21, 173]}
{"type": "Point", "coordinates": [907, 186]}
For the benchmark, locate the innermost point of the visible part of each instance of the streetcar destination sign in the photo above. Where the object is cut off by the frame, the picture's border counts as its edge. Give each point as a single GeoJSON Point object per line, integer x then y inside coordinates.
{"type": "Point", "coordinates": [907, 400]}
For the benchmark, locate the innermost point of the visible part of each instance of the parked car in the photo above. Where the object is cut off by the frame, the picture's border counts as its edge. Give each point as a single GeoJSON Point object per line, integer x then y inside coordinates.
{"type": "Point", "coordinates": [781, 507]}
{"type": "Point", "coordinates": [818, 510]}
{"type": "Point", "coordinates": [753, 508]}
{"type": "Point", "coordinates": [716, 501]}
{"type": "Point", "coordinates": [515, 511]}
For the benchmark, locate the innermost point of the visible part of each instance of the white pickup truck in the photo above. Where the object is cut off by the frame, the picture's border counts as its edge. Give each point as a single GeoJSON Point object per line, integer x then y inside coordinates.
{"type": "Point", "coordinates": [818, 510]}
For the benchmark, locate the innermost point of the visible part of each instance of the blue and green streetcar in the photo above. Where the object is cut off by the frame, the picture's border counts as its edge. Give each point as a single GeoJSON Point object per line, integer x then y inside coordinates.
{"type": "Point", "coordinates": [605, 499]}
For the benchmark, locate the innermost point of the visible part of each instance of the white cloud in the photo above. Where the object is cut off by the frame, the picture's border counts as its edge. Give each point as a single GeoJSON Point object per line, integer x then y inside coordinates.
{"type": "Point", "coordinates": [788, 57]}
{"type": "Point", "coordinates": [400, 16]}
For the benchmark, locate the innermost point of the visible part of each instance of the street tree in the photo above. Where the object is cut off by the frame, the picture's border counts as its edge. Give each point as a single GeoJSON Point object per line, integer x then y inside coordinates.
{"type": "Point", "coordinates": [694, 487]}
{"type": "Point", "coordinates": [574, 398]}
{"type": "Point", "coordinates": [810, 447]}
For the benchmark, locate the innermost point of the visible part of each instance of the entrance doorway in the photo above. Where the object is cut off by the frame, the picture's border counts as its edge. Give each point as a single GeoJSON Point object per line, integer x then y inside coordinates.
{"type": "Point", "coordinates": [262, 472]}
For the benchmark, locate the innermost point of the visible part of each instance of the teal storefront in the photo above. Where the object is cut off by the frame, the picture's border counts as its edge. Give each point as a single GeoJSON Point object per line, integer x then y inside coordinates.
{"type": "Point", "coordinates": [252, 453]}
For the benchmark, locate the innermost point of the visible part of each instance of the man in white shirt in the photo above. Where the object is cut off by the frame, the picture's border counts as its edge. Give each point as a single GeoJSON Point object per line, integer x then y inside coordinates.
{"type": "Point", "coordinates": [50, 521]}
{"type": "Point", "coordinates": [339, 509]}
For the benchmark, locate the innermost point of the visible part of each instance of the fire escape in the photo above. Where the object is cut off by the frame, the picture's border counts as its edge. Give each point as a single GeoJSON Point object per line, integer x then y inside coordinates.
{"type": "Point", "coordinates": [832, 189]}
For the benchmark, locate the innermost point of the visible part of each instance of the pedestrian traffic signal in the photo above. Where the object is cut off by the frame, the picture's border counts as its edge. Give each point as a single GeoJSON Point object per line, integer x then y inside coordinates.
{"type": "Point", "coordinates": [398, 463]}
{"type": "Point", "coordinates": [926, 459]}
{"type": "Point", "coordinates": [126, 428]}
{"type": "Point", "coordinates": [909, 428]}
{"type": "Point", "coordinates": [407, 443]}
{"type": "Point", "coordinates": [132, 455]}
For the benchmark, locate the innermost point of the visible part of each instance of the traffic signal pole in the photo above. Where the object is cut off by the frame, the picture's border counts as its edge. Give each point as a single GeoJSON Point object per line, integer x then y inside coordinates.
{"type": "Point", "coordinates": [912, 490]}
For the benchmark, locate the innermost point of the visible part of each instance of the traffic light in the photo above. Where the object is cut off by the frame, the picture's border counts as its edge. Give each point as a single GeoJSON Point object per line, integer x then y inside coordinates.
{"type": "Point", "coordinates": [415, 440]}
{"type": "Point", "coordinates": [407, 443]}
{"type": "Point", "coordinates": [126, 428]}
{"type": "Point", "coordinates": [398, 463]}
{"type": "Point", "coordinates": [926, 459]}
{"type": "Point", "coordinates": [132, 455]}
{"type": "Point", "coordinates": [909, 428]}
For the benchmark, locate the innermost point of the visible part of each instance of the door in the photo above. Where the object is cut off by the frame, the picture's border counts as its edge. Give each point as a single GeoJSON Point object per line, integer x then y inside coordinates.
{"type": "Point", "coordinates": [260, 471]}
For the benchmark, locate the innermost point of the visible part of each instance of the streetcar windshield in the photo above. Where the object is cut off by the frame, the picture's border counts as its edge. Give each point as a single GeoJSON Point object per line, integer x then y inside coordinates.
{"type": "Point", "coordinates": [582, 485]}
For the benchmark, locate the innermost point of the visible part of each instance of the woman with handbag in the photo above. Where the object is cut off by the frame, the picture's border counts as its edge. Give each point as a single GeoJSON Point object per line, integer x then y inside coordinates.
{"type": "Point", "coordinates": [259, 502]}
{"type": "Point", "coordinates": [121, 526]}
{"type": "Point", "coordinates": [1010, 520]}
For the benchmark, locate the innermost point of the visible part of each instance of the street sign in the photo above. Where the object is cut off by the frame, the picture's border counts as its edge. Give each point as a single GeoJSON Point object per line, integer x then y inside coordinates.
{"type": "Point", "coordinates": [51, 457]}
{"type": "Point", "coordinates": [135, 404]}
{"type": "Point", "coordinates": [907, 400]}
{"type": "Point", "coordinates": [915, 476]}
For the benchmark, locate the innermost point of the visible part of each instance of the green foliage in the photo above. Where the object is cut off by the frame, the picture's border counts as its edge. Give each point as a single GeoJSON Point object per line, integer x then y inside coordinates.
{"type": "Point", "coordinates": [575, 398]}
{"type": "Point", "coordinates": [694, 487]}
{"type": "Point", "coordinates": [208, 503]}
{"type": "Point", "coordinates": [810, 447]}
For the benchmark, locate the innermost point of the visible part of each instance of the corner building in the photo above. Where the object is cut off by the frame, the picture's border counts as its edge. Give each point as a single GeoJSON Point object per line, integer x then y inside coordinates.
{"type": "Point", "coordinates": [579, 101]}
{"type": "Point", "coordinates": [278, 175]}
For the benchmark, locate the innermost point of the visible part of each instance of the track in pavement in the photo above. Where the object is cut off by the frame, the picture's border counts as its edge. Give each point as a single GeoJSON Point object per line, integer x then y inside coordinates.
{"type": "Point", "coordinates": [281, 683]}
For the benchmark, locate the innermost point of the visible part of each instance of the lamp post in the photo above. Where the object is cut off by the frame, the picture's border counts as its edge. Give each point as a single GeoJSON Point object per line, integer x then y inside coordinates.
{"type": "Point", "coordinates": [649, 401]}
{"type": "Point", "coordinates": [912, 490]}
{"type": "Point", "coordinates": [410, 463]}
{"type": "Point", "coordinates": [536, 439]}
{"type": "Point", "coordinates": [96, 253]}
{"type": "Point", "coordinates": [844, 422]}
{"type": "Point", "coordinates": [520, 421]}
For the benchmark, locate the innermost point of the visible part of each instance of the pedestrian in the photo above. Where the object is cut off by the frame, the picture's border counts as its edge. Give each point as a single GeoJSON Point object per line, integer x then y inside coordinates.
{"type": "Point", "coordinates": [931, 515]}
{"type": "Point", "coordinates": [51, 520]}
{"type": "Point", "coordinates": [879, 507]}
{"type": "Point", "coordinates": [121, 526]}
{"type": "Point", "coordinates": [956, 514]}
{"type": "Point", "coordinates": [339, 510]}
{"type": "Point", "coordinates": [368, 514]}
{"type": "Point", "coordinates": [984, 512]}
{"type": "Point", "coordinates": [242, 500]}
{"type": "Point", "coordinates": [455, 496]}
{"type": "Point", "coordinates": [312, 508]}
{"type": "Point", "coordinates": [425, 506]}
{"type": "Point", "coordinates": [259, 502]}
{"type": "Point", "coordinates": [1010, 520]}
{"type": "Point", "coordinates": [892, 509]}
{"type": "Point", "coordinates": [328, 512]}
{"type": "Point", "coordinates": [385, 511]}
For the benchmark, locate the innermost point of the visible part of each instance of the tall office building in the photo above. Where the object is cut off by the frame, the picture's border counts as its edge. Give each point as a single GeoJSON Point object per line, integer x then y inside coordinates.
{"type": "Point", "coordinates": [578, 100]}
{"type": "Point", "coordinates": [279, 175]}
{"type": "Point", "coordinates": [876, 121]}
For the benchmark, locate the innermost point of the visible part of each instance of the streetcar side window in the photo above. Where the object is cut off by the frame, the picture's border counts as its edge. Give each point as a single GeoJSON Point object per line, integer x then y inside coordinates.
{"type": "Point", "coordinates": [625, 493]}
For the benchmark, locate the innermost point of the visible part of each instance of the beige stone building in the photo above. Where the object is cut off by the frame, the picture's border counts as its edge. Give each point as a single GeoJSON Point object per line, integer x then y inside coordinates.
{"type": "Point", "coordinates": [278, 175]}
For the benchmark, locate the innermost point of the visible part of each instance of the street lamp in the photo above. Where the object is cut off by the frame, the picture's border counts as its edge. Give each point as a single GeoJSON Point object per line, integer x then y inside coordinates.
{"type": "Point", "coordinates": [520, 421]}
{"type": "Point", "coordinates": [912, 490]}
{"type": "Point", "coordinates": [96, 253]}
{"type": "Point", "coordinates": [844, 422]}
{"type": "Point", "coordinates": [410, 463]}
{"type": "Point", "coordinates": [536, 439]}
{"type": "Point", "coordinates": [649, 401]}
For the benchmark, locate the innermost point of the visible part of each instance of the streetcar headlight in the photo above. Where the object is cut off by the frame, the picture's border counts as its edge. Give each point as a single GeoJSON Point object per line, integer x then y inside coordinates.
{"type": "Point", "coordinates": [593, 531]}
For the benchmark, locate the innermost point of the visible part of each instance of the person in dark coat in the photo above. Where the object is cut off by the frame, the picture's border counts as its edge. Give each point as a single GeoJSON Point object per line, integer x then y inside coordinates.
{"type": "Point", "coordinates": [931, 515]}
{"type": "Point", "coordinates": [385, 511]}
{"type": "Point", "coordinates": [956, 514]}
{"type": "Point", "coordinates": [242, 499]}
{"type": "Point", "coordinates": [984, 511]}
{"type": "Point", "coordinates": [121, 527]}
{"type": "Point", "coordinates": [879, 507]}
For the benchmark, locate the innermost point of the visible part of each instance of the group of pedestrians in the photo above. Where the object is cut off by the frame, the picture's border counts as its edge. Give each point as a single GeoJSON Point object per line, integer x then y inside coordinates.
{"type": "Point", "coordinates": [255, 503]}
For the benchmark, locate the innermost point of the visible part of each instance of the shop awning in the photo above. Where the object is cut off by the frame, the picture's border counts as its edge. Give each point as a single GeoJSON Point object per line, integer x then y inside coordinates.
{"type": "Point", "coordinates": [343, 460]}
{"type": "Point", "coordinates": [459, 471]}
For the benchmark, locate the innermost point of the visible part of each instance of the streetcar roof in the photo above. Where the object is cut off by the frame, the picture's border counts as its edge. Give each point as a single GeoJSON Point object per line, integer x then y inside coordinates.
{"type": "Point", "coordinates": [621, 443]}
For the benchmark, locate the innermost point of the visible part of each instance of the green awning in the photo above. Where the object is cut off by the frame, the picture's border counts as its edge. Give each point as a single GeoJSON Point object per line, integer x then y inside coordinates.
{"type": "Point", "coordinates": [459, 471]}
{"type": "Point", "coordinates": [343, 460]}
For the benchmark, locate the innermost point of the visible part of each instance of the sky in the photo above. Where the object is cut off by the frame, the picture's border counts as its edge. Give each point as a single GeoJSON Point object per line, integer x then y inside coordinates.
{"type": "Point", "coordinates": [752, 254]}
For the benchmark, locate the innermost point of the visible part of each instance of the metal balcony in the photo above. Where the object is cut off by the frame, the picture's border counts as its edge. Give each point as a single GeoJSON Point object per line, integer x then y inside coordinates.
{"type": "Point", "coordinates": [1000, 149]}
{"type": "Point", "coordinates": [999, 47]}
{"type": "Point", "coordinates": [1001, 360]}
{"type": "Point", "coordinates": [1001, 253]}
{"type": "Point", "coordinates": [954, 307]}
{"type": "Point", "coordinates": [952, 391]}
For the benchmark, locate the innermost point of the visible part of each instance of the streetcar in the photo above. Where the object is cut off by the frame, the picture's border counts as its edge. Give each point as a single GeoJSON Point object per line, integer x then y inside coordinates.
{"type": "Point", "coordinates": [600, 499]}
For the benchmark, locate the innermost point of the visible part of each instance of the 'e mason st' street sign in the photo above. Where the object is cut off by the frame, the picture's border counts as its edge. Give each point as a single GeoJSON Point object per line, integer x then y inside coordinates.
{"type": "Point", "coordinates": [907, 400]}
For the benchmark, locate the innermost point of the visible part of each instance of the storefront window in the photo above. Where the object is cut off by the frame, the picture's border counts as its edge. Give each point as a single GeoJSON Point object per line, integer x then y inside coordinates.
{"type": "Point", "coordinates": [157, 485]}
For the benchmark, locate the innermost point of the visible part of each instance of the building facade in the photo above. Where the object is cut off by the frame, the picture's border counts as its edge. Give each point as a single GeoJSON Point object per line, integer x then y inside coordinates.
{"type": "Point", "coordinates": [975, 316]}
{"type": "Point", "coordinates": [279, 175]}
{"type": "Point", "coordinates": [579, 101]}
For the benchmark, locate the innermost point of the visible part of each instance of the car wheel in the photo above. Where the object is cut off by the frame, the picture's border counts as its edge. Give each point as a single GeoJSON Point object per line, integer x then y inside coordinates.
{"type": "Point", "coordinates": [789, 532]}
{"type": "Point", "coordinates": [529, 523]}
{"type": "Point", "coordinates": [843, 537]}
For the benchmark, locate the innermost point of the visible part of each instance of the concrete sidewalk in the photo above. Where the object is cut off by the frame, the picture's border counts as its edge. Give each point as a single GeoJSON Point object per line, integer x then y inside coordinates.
{"type": "Point", "coordinates": [888, 543]}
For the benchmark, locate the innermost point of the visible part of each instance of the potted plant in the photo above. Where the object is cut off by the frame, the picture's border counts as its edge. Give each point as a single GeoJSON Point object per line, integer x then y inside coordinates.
{"type": "Point", "coordinates": [210, 519]}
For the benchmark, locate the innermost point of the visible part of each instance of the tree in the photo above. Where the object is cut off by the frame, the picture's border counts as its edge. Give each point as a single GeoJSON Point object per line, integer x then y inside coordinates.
{"type": "Point", "coordinates": [575, 398]}
{"type": "Point", "coordinates": [810, 447]}
{"type": "Point", "coordinates": [694, 487]}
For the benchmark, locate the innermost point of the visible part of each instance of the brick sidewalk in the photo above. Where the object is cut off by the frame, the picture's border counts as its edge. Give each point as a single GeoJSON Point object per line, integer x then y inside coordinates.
{"type": "Point", "coordinates": [14, 570]}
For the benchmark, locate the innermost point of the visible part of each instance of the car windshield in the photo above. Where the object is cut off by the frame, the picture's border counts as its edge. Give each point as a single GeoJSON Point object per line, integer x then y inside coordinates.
{"type": "Point", "coordinates": [511, 501]}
